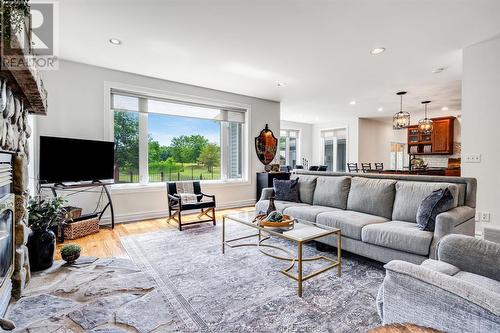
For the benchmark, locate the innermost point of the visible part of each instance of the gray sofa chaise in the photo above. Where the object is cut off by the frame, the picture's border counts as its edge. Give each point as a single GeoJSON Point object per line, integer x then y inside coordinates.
{"type": "Point", "coordinates": [459, 292]}
{"type": "Point", "coordinates": [377, 213]}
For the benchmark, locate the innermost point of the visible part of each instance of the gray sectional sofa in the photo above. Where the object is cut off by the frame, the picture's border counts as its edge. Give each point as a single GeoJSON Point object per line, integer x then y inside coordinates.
{"type": "Point", "coordinates": [377, 213]}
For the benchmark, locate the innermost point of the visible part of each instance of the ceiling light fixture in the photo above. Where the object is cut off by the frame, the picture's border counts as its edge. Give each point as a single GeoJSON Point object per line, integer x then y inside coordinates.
{"type": "Point", "coordinates": [352, 102]}
{"type": "Point", "coordinates": [444, 108]}
{"type": "Point", "coordinates": [377, 50]}
{"type": "Point", "coordinates": [115, 41]}
{"type": "Point", "coordinates": [380, 109]}
{"type": "Point", "coordinates": [401, 120]}
{"type": "Point", "coordinates": [425, 125]}
{"type": "Point", "coordinates": [438, 70]}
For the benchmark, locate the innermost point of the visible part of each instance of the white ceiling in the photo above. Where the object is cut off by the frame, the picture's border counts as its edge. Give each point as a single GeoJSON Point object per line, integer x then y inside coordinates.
{"type": "Point", "coordinates": [318, 49]}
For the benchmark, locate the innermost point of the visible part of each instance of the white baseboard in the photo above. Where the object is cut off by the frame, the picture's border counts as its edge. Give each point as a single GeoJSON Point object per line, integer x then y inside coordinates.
{"type": "Point", "coordinates": [149, 215]}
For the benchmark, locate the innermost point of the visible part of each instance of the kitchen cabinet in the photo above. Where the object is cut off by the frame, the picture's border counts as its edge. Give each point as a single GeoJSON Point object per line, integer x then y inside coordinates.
{"type": "Point", "coordinates": [440, 142]}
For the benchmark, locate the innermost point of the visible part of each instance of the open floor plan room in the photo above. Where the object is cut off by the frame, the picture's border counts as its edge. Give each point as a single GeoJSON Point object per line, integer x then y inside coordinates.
{"type": "Point", "coordinates": [249, 166]}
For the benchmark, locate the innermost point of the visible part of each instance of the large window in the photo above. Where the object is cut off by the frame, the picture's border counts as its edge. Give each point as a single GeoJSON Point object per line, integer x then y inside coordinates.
{"type": "Point", "coordinates": [160, 140]}
{"type": "Point", "coordinates": [288, 147]}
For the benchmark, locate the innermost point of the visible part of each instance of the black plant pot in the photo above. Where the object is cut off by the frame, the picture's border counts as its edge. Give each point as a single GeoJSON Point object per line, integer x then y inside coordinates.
{"type": "Point", "coordinates": [41, 246]}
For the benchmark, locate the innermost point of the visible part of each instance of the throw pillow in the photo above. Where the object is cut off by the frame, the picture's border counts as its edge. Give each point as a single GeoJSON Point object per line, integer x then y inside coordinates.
{"type": "Point", "coordinates": [437, 202]}
{"type": "Point", "coordinates": [286, 190]}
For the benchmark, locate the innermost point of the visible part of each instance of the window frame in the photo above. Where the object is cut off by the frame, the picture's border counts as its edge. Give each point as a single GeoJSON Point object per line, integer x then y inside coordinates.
{"type": "Point", "coordinates": [108, 133]}
{"type": "Point", "coordinates": [324, 137]}
{"type": "Point", "coordinates": [287, 145]}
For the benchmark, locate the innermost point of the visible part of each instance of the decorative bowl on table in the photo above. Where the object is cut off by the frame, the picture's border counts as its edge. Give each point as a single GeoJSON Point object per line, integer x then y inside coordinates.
{"type": "Point", "coordinates": [275, 220]}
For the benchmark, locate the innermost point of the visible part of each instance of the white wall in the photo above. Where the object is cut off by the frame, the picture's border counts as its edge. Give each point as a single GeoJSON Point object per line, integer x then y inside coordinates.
{"type": "Point", "coordinates": [480, 119]}
{"type": "Point", "coordinates": [352, 138]}
{"type": "Point", "coordinates": [305, 138]}
{"type": "Point", "coordinates": [375, 139]}
{"type": "Point", "coordinates": [76, 109]}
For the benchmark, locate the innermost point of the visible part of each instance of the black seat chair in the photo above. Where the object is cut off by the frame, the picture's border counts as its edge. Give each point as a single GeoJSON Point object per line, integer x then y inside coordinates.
{"type": "Point", "coordinates": [298, 166]}
{"type": "Point", "coordinates": [379, 166]}
{"type": "Point", "coordinates": [323, 168]}
{"type": "Point", "coordinates": [352, 167]}
{"type": "Point", "coordinates": [366, 167]}
{"type": "Point", "coordinates": [313, 168]}
{"type": "Point", "coordinates": [285, 168]}
{"type": "Point", "coordinates": [176, 207]}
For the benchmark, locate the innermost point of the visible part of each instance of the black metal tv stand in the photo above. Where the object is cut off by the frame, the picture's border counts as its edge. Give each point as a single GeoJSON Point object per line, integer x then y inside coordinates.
{"type": "Point", "coordinates": [83, 187]}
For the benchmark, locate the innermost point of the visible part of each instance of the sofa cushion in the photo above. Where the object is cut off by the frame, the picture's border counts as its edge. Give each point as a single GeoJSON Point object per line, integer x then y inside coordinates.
{"type": "Point", "coordinates": [409, 195]}
{"type": "Point", "coordinates": [479, 281]}
{"type": "Point", "coordinates": [307, 184]}
{"type": "Point", "coordinates": [332, 191]}
{"type": "Point", "coordinates": [372, 196]}
{"type": "Point", "coordinates": [286, 190]}
{"type": "Point", "coordinates": [398, 235]}
{"type": "Point", "coordinates": [307, 213]}
{"type": "Point", "coordinates": [349, 222]}
{"type": "Point", "coordinates": [438, 202]}
{"type": "Point", "coordinates": [262, 205]}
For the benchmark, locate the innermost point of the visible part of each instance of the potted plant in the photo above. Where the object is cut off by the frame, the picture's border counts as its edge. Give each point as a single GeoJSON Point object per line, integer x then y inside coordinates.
{"type": "Point", "coordinates": [43, 214]}
{"type": "Point", "coordinates": [70, 253]}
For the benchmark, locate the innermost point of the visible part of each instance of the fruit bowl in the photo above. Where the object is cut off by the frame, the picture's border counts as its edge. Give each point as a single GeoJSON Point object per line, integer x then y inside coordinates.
{"type": "Point", "coordinates": [286, 222]}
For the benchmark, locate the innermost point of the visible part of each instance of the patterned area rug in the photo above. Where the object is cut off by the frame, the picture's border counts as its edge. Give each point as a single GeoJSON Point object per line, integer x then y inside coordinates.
{"type": "Point", "coordinates": [243, 290]}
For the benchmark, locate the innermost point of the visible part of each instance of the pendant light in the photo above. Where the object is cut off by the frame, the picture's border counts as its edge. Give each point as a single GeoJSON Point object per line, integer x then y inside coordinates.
{"type": "Point", "coordinates": [425, 125]}
{"type": "Point", "coordinates": [401, 119]}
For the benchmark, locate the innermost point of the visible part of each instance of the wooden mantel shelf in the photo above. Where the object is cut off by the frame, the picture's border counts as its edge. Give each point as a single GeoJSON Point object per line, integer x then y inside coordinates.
{"type": "Point", "coordinates": [25, 80]}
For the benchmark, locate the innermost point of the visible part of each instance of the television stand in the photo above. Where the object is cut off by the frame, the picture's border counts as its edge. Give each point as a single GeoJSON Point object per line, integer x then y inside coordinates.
{"type": "Point", "coordinates": [84, 187]}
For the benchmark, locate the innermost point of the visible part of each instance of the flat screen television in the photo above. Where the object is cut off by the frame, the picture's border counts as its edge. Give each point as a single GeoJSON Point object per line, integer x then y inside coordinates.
{"type": "Point", "coordinates": [75, 160]}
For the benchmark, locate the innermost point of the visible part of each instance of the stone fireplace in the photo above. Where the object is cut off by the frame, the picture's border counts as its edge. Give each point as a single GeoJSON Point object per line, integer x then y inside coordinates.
{"type": "Point", "coordinates": [14, 154]}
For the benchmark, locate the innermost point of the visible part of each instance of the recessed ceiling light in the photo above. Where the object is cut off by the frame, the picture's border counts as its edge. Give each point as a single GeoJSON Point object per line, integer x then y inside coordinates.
{"type": "Point", "coordinates": [444, 108]}
{"type": "Point", "coordinates": [438, 70]}
{"type": "Point", "coordinates": [380, 109]}
{"type": "Point", "coordinates": [352, 102]}
{"type": "Point", "coordinates": [377, 50]}
{"type": "Point", "coordinates": [115, 41]}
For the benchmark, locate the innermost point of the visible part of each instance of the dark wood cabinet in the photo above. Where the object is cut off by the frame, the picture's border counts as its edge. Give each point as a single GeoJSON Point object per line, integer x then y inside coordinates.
{"type": "Point", "coordinates": [440, 142]}
{"type": "Point", "coordinates": [442, 135]}
{"type": "Point", "coordinates": [265, 179]}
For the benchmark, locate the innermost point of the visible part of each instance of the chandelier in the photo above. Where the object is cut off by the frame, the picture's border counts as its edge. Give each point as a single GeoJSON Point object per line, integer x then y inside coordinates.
{"type": "Point", "coordinates": [425, 125]}
{"type": "Point", "coordinates": [401, 119]}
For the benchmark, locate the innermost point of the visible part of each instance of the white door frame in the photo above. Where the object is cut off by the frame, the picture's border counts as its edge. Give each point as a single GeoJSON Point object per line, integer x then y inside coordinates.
{"type": "Point", "coordinates": [335, 141]}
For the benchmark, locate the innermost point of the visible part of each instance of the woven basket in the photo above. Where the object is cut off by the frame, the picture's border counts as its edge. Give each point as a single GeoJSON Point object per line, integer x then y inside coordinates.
{"type": "Point", "coordinates": [81, 228]}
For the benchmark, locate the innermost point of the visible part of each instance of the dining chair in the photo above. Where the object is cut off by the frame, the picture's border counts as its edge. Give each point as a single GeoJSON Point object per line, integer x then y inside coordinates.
{"type": "Point", "coordinates": [352, 167]}
{"type": "Point", "coordinates": [366, 167]}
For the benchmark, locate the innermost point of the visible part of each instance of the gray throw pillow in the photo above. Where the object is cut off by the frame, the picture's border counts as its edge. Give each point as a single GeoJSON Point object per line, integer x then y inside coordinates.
{"type": "Point", "coordinates": [437, 202]}
{"type": "Point", "coordinates": [286, 190]}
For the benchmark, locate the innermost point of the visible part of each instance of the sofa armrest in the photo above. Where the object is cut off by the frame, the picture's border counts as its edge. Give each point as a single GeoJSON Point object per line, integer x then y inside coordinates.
{"type": "Point", "coordinates": [446, 222]}
{"type": "Point", "coordinates": [470, 254]}
{"type": "Point", "coordinates": [407, 289]}
{"type": "Point", "coordinates": [267, 193]}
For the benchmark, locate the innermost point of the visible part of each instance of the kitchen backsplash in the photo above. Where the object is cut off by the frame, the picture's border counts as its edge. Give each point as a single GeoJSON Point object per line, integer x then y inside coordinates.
{"type": "Point", "coordinates": [441, 161]}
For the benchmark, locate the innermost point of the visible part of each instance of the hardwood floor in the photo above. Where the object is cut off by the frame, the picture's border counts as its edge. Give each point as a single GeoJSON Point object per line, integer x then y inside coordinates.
{"type": "Point", "coordinates": [107, 243]}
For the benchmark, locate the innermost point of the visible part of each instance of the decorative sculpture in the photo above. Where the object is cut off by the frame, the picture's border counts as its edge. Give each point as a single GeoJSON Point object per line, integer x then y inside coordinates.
{"type": "Point", "coordinates": [266, 146]}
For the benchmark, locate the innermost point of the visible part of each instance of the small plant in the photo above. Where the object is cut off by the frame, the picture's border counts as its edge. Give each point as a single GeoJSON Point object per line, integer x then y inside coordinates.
{"type": "Point", "coordinates": [44, 214]}
{"type": "Point", "coordinates": [70, 252]}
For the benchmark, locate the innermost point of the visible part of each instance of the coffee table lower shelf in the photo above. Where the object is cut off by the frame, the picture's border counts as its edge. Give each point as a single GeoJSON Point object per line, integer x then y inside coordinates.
{"type": "Point", "coordinates": [299, 259]}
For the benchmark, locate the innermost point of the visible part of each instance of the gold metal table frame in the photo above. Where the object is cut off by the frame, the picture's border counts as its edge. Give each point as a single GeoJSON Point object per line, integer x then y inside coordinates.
{"type": "Point", "coordinates": [299, 259]}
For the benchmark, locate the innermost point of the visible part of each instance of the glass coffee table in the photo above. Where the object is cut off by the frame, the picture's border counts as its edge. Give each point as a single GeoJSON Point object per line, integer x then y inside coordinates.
{"type": "Point", "coordinates": [301, 233]}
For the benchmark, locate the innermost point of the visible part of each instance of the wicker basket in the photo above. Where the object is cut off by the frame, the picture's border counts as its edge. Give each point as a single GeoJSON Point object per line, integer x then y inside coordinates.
{"type": "Point", "coordinates": [81, 228]}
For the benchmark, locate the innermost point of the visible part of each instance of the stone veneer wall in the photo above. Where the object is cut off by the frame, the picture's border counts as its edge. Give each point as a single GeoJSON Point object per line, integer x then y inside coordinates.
{"type": "Point", "coordinates": [14, 134]}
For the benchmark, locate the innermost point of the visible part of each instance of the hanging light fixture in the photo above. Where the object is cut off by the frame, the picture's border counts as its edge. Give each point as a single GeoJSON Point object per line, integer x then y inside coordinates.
{"type": "Point", "coordinates": [401, 119]}
{"type": "Point", "coordinates": [425, 125]}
